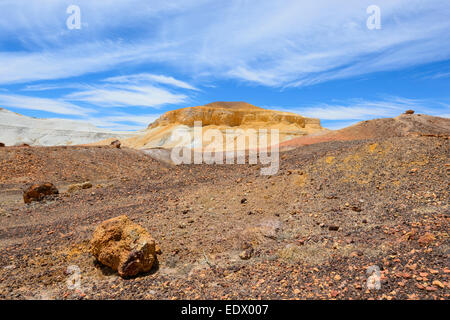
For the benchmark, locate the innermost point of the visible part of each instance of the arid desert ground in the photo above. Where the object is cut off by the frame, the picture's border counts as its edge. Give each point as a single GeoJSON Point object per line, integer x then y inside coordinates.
{"type": "Point", "coordinates": [371, 197]}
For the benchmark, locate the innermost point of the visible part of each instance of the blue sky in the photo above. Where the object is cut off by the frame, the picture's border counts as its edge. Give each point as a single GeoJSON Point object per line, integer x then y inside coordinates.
{"type": "Point", "coordinates": [133, 60]}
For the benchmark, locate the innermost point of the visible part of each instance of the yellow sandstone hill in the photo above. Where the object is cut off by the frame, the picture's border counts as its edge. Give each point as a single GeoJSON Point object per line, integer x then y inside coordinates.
{"type": "Point", "coordinates": [224, 116]}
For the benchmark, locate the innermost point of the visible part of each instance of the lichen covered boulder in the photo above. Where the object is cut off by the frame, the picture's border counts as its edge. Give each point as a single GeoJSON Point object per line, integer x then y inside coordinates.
{"type": "Point", "coordinates": [38, 192]}
{"type": "Point", "coordinates": [123, 246]}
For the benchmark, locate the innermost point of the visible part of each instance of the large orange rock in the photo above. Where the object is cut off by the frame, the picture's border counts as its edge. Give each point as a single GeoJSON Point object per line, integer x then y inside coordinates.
{"type": "Point", "coordinates": [123, 246]}
{"type": "Point", "coordinates": [38, 192]}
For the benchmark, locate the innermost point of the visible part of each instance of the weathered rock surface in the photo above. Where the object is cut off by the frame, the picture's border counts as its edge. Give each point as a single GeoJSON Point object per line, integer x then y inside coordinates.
{"type": "Point", "coordinates": [230, 118]}
{"type": "Point", "coordinates": [79, 186]}
{"type": "Point", "coordinates": [123, 246]}
{"type": "Point", "coordinates": [2, 144]}
{"type": "Point", "coordinates": [38, 192]}
{"type": "Point", "coordinates": [232, 114]}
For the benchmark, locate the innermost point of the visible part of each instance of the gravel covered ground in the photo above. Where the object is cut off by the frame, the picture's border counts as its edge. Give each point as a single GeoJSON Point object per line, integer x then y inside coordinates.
{"type": "Point", "coordinates": [309, 232]}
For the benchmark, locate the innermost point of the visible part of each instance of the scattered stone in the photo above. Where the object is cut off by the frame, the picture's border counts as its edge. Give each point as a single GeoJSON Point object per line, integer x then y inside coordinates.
{"type": "Point", "coordinates": [426, 239]}
{"type": "Point", "coordinates": [334, 293]}
{"type": "Point", "coordinates": [246, 254]}
{"type": "Point", "coordinates": [333, 228]}
{"type": "Point", "coordinates": [439, 284]}
{"type": "Point", "coordinates": [116, 143]}
{"type": "Point", "coordinates": [38, 192]}
{"type": "Point", "coordinates": [123, 246]}
{"type": "Point", "coordinates": [409, 112]}
{"type": "Point", "coordinates": [79, 186]}
{"type": "Point", "coordinates": [24, 145]}
{"type": "Point", "coordinates": [243, 200]}
{"type": "Point", "coordinates": [2, 145]}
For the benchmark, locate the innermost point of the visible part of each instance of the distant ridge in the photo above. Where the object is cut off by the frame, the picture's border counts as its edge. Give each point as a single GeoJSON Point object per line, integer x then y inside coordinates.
{"type": "Point", "coordinates": [403, 125]}
{"type": "Point", "coordinates": [18, 129]}
{"type": "Point", "coordinates": [232, 105]}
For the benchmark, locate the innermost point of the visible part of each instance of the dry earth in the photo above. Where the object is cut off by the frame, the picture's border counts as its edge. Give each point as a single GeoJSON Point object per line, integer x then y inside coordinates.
{"type": "Point", "coordinates": [333, 210]}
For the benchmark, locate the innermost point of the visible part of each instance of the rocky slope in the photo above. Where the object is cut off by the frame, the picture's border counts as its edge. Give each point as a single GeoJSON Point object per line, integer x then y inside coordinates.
{"type": "Point", "coordinates": [401, 126]}
{"type": "Point", "coordinates": [17, 129]}
{"type": "Point", "coordinates": [334, 211]}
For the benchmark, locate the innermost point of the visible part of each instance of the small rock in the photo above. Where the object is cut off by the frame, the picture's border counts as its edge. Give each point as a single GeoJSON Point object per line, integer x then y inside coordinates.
{"type": "Point", "coordinates": [246, 254]}
{"type": "Point", "coordinates": [333, 228]}
{"type": "Point", "coordinates": [2, 145]}
{"type": "Point", "coordinates": [439, 284]}
{"type": "Point", "coordinates": [426, 239]}
{"type": "Point", "coordinates": [409, 112]}
{"type": "Point", "coordinates": [243, 200]}
{"type": "Point", "coordinates": [116, 143]}
{"type": "Point", "coordinates": [79, 186]}
{"type": "Point", "coordinates": [38, 192]}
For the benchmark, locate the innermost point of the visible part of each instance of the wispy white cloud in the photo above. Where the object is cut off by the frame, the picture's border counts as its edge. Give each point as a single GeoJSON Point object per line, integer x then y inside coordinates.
{"type": "Point", "coordinates": [127, 96]}
{"type": "Point", "coordinates": [123, 121]}
{"type": "Point", "coordinates": [48, 105]}
{"type": "Point", "coordinates": [52, 87]}
{"type": "Point", "coordinates": [360, 109]}
{"type": "Point", "coordinates": [76, 60]}
{"type": "Point", "coordinates": [150, 78]}
{"type": "Point", "coordinates": [439, 75]}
